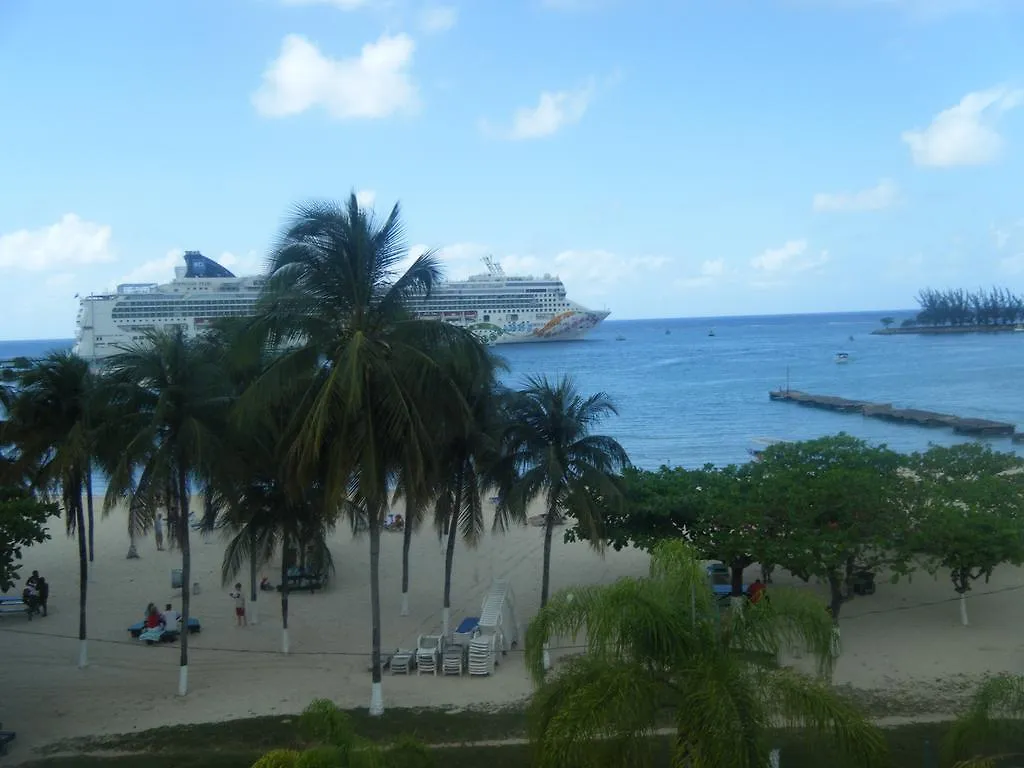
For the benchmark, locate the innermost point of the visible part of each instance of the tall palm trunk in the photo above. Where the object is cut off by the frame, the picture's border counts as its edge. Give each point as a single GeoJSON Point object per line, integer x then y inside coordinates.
{"type": "Point", "coordinates": [186, 577]}
{"type": "Point", "coordinates": [449, 555]}
{"type": "Point", "coordinates": [253, 612]}
{"type": "Point", "coordinates": [545, 583]}
{"type": "Point", "coordinates": [83, 580]}
{"type": "Point", "coordinates": [88, 502]}
{"type": "Point", "coordinates": [285, 565]}
{"type": "Point", "coordinates": [377, 690]}
{"type": "Point", "coordinates": [406, 544]}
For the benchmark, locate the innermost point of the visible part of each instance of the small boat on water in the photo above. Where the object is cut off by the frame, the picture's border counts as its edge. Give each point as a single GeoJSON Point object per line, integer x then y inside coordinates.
{"type": "Point", "coordinates": [842, 357]}
{"type": "Point", "coordinates": [620, 338]}
{"type": "Point", "coordinates": [711, 332]}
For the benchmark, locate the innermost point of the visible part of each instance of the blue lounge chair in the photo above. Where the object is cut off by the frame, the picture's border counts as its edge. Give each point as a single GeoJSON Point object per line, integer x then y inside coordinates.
{"type": "Point", "coordinates": [194, 628]}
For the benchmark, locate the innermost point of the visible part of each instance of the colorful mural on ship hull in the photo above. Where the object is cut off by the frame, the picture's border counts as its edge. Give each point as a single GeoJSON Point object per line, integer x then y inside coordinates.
{"type": "Point", "coordinates": [562, 327]}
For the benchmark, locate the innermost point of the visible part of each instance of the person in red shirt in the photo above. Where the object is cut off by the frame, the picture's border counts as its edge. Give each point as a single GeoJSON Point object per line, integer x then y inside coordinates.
{"type": "Point", "coordinates": [152, 617]}
{"type": "Point", "coordinates": [756, 591]}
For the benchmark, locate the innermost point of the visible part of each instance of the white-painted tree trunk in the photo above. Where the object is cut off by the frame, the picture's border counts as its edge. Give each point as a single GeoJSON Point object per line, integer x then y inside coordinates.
{"type": "Point", "coordinates": [183, 680]}
{"type": "Point", "coordinates": [83, 654]}
{"type": "Point", "coordinates": [252, 612]}
{"type": "Point", "coordinates": [774, 758]}
{"type": "Point", "coordinates": [737, 604]}
{"type": "Point", "coordinates": [446, 620]}
{"type": "Point", "coordinates": [837, 643]}
{"type": "Point", "coordinates": [377, 700]}
{"type": "Point", "coordinates": [284, 641]}
{"type": "Point", "coordinates": [405, 603]}
{"type": "Point", "coordinates": [547, 658]}
{"type": "Point", "coordinates": [963, 609]}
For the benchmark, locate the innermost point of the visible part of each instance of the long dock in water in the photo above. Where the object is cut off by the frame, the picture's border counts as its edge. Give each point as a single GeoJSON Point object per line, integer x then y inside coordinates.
{"type": "Point", "coordinates": [885, 411]}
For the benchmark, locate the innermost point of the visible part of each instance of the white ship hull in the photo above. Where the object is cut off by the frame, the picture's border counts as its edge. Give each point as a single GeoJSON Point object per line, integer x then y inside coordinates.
{"type": "Point", "coordinates": [499, 309]}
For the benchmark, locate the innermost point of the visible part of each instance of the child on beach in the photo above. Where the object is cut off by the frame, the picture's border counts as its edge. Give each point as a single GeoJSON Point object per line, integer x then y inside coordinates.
{"type": "Point", "coordinates": [158, 532]}
{"type": "Point", "coordinates": [239, 599]}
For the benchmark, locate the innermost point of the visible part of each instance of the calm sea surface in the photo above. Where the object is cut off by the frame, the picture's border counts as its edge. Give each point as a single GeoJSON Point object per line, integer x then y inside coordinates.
{"type": "Point", "coordinates": [688, 398]}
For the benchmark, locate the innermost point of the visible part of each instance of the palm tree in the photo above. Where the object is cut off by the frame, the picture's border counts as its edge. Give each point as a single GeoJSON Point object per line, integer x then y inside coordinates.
{"type": "Point", "coordinates": [551, 453]}
{"type": "Point", "coordinates": [172, 398]}
{"type": "Point", "coordinates": [990, 722]}
{"type": "Point", "coordinates": [337, 305]}
{"type": "Point", "coordinates": [50, 427]}
{"type": "Point", "coordinates": [467, 458]}
{"type": "Point", "coordinates": [657, 647]}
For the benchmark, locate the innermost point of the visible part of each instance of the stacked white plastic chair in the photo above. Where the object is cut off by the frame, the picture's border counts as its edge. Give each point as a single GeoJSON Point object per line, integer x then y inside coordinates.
{"type": "Point", "coordinates": [401, 662]}
{"type": "Point", "coordinates": [428, 654]}
{"type": "Point", "coordinates": [499, 631]}
{"type": "Point", "coordinates": [482, 654]}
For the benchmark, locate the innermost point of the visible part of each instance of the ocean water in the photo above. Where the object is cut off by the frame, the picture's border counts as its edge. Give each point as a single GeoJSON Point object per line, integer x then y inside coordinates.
{"type": "Point", "coordinates": [687, 398]}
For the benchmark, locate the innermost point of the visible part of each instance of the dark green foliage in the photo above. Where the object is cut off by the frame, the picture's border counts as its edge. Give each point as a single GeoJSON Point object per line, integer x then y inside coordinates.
{"type": "Point", "coordinates": [324, 756]}
{"type": "Point", "coordinates": [23, 522]}
{"type": "Point", "coordinates": [967, 504]}
{"type": "Point", "coordinates": [407, 752]}
{"type": "Point", "coordinates": [958, 307]}
{"type": "Point", "coordinates": [323, 722]}
{"type": "Point", "coordinates": [278, 758]}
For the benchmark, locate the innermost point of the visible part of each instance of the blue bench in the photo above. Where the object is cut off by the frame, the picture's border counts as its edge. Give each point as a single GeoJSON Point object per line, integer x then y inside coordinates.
{"type": "Point", "coordinates": [194, 628]}
{"type": "Point", "coordinates": [12, 605]}
{"type": "Point", "coordinates": [6, 737]}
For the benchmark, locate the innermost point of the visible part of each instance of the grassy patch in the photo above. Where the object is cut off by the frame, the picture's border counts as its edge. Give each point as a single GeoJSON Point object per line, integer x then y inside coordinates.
{"type": "Point", "coordinates": [238, 744]}
{"type": "Point", "coordinates": [259, 734]}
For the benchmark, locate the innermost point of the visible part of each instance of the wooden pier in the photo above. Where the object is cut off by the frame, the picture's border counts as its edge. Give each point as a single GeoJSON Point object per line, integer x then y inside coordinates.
{"type": "Point", "coordinates": [914, 416]}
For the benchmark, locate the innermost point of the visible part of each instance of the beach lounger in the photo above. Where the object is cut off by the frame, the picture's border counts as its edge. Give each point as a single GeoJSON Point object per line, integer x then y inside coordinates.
{"type": "Point", "coordinates": [13, 605]}
{"type": "Point", "coordinates": [304, 579]}
{"type": "Point", "coordinates": [402, 662]}
{"type": "Point", "coordinates": [6, 737]}
{"type": "Point", "coordinates": [428, 654]}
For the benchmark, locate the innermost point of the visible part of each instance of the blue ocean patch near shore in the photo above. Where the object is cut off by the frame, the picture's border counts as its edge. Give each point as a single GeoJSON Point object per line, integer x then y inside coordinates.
{"type": "Point", "coordinates": [686, 397]}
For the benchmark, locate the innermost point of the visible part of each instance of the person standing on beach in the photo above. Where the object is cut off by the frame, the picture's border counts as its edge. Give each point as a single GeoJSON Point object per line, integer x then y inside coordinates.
{"type": "Point", "coordinates": [158, 532]}
{"type": "Point", "coordinates": [239, 597]}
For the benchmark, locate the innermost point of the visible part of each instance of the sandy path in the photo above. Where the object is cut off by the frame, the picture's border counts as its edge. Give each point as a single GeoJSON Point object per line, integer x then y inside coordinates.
{"type": "Point", "coordinates": [906, 633]}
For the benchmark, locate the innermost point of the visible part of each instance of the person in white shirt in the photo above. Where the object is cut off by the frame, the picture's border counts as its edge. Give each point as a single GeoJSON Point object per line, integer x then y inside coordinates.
{"type": "Point", "coordinates": [169, 618]}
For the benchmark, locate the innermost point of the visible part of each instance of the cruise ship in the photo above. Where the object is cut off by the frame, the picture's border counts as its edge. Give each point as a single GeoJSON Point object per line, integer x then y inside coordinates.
{"type": "Point", "coordinates": [499, 308]}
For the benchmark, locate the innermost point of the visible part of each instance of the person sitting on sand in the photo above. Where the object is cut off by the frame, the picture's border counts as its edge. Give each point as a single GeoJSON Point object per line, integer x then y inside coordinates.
{"type": "Point", "coordinates": [170, 618]}
{"type": "Point", "coordinates": [152, 617]}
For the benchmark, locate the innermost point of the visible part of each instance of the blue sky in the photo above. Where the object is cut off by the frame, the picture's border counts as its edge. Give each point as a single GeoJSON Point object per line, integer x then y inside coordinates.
{"type": "Point", "coordinates": [664, 157]}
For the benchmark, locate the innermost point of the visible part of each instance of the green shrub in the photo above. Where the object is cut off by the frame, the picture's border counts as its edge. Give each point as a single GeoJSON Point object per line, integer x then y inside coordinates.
{"type": "Point", "coordinates": [278, 758]}
{"type": "Point", "coordinates": [323, 723]}
{"type": "Point", "coordinates": [323, 757]}
{"type": "Point", "coordinates": [407, 752]}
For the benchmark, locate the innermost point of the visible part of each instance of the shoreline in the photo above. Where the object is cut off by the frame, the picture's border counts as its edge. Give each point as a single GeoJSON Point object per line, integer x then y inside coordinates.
{"type": "Point", "coordinates": [943, 330]}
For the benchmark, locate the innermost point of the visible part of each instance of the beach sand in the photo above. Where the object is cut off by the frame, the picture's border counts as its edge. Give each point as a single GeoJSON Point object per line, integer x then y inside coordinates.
{"type": "Point", "coordinates": [905, 637]}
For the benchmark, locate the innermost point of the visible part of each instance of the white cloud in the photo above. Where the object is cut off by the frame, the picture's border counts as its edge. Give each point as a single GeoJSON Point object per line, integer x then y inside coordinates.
{"type": "Point", "coordinates": [711, 270]}
{"type": "Point", "coordinates": [439, 18]}
{"type": "Point", "coordinates": [554, 110]}
{"type": "Point", "coordinates": [344, 5]}
{"type": "Point", "coordinates": [965, 134]}
{"type": "Point", "coordinates": [882, 195]}
{"type": "Point", "coordinates": [71, 241]}
{"type": "Point", "coordinates": [375, 84]}
{"type": "Point", "coordinates": [790, 258]}
{"type": "Point", "coordinates": [365, 198]}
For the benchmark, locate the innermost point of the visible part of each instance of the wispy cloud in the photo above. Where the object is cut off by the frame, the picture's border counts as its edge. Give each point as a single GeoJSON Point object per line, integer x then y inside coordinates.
{"type": "Point", "coordinates": [882, 195]}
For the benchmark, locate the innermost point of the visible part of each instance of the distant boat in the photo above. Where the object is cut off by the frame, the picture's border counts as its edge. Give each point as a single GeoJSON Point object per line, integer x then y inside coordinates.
{"type": "Point", "coordinates": [620, 338]}
{"type": "Point", "coordinates": [842, 357]}
{"type": "Point", "coordinates": [711, 332]}
{"type": "Point", "coordinates": [667, 331]}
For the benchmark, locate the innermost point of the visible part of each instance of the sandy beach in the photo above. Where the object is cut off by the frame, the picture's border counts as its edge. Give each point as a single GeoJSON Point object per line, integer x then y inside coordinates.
{"type": "Point", "coordinates": [905, 637]}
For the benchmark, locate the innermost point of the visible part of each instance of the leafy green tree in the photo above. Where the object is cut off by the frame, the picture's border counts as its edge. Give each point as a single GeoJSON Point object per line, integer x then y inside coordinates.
{"type": "Point", "coordinates": [50, 426]}
{"type": "Point", "coordinates": [23, 522]}
{"type": "Point", "coordinates": [968, 508]}
{"type": "Point", "coordinates": [336, 305]}
{"type": "Point", "coordinates": [658, 504]}
{"type": "Point", "coordinates": [551, 453]}
{"type": "Point", "coordinates": [171, 397]}
{"type": "Point", "coordinates": [651, 651]}
{"type": "Point", "coordinates": [887, 321]}
{"type": "Point", "coordinates": [833, 506]}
